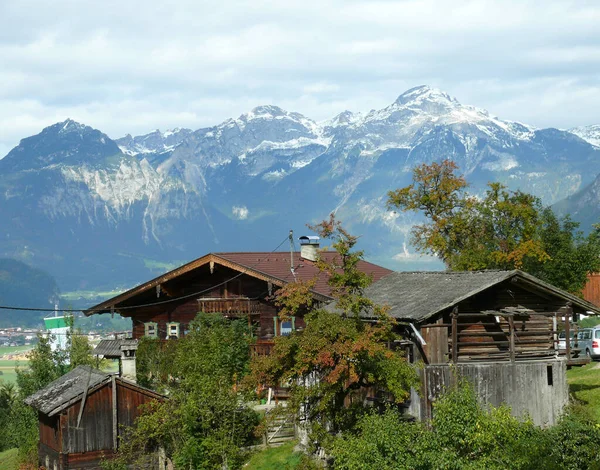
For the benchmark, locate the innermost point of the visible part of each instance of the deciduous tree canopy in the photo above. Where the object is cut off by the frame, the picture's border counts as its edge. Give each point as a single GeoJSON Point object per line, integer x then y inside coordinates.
{"type": "Point", "coordinates": [502, 229]}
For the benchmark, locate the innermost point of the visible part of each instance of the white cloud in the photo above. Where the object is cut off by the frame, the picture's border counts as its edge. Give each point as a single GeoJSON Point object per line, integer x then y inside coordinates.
{"type": "Point", "coordinates": [407, 256]}
{"type": "Point", "coordinates": [240, 212]}
{"type": "Point", "coordinates": [134, 66]}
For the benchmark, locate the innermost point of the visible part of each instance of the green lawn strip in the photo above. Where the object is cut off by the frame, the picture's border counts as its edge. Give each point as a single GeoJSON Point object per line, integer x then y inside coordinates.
{"type": "Point", "coordinates": [584, 386]}
{"type": "Point", "coordinates": [9, 459]}
{"type": "Point", "coordinates": [275, 458]}
{"type": "Point", "coordinates": [14, 349]}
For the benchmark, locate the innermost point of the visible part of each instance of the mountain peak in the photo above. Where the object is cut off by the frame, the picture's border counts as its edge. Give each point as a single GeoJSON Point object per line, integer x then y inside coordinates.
{"type": "Point", "coordinates": [67, 126]}
{"type": "Point", "coordinates": [424, 93]}
{"type": "Point", "coordinates": [267, 110]}
{"type": "Point", "coordinates": [68, 142]}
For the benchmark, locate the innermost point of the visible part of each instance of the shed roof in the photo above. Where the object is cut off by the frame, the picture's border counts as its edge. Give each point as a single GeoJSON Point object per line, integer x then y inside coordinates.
{"type": "Point", "coordinates": [111, 348]}
{"type": "Point", "coordinates": [274, 267]}
{"type": "Point", "coordinates": [54, 396]}
{"type": "Point", "coordinates": [417, 296]}
{"type": "Point", "coordinates": [68, 389]}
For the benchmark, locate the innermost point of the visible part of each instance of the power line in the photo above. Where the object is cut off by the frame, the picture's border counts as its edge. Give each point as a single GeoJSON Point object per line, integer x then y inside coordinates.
{"type": "Point", "coordinates": [241, 273]}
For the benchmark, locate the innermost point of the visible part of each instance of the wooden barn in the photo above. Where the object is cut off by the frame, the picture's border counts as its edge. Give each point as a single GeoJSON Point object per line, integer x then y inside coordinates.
{"type": "Point", "coordinates": [234, 284]}
{"type": "Point", "coordinates": [497, 328]}
{"type": "Point", "coordinates": [82, 415]}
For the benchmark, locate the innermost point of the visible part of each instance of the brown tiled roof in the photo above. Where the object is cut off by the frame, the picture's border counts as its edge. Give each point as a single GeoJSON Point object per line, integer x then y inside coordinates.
{"type": "Point", "coordinates": [277, 265]}
{"type": "Point", "coordinates": [274, 267]}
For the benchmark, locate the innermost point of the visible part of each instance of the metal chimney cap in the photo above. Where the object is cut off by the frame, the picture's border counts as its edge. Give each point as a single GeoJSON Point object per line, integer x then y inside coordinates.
{"type": "Point", "coordinates": [309, 240]}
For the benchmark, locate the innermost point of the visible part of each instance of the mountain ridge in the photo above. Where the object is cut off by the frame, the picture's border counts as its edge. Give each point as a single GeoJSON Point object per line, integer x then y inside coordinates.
{"type": "Point", "coordinates": [140, 201]}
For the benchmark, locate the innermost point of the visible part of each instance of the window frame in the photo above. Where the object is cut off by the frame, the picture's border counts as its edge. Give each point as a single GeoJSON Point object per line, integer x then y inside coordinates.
{"type": "Point", "coordinates": [147, 328]}
{"type": "Point", "coordinates": [278, 323]}
{"type": "Point", "coordinates": [175, 324]}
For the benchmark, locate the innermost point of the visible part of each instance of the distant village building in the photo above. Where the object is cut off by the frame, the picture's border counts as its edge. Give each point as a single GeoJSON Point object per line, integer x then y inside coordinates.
{"type": "Point", "coordinates": [58, 329]}
{"type": "Point", "coordinates": [82, 416]}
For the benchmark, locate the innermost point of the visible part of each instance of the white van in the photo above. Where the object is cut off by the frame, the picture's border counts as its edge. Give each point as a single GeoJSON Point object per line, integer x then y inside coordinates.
{"type": "Point", "coordinates": [595, 349]}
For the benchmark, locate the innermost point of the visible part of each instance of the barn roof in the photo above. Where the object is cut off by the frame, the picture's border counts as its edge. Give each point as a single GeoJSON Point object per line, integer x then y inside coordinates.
{"type": "Point", "coordinates": [111, 348]}
{"type": "Point", "coordinates": [417, 296]}
{"type": "Point", "coordinates": [274, 267]}
{"type": "Point", "coordinates": [68, 389]}
{"type": "Point", "coordinates": [56, 395]}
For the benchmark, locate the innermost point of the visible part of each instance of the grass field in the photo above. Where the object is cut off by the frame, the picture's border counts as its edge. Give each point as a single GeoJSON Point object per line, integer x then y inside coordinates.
{"type": "Point", "coordinates": [584, 386]}
{"type": "Point", "coordinates": [275, 458]}
{"type": "Point", "coordinates": [7, 366]}
{"type": "Point", "coordinates": [13, 349]}
{"type": "Point", "coordinates": [8, 459]}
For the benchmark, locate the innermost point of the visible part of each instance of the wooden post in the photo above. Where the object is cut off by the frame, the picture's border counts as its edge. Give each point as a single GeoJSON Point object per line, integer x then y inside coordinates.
{"type": "Point", "coordinates": [555, 334]}
{"type": "Point", "coordinates": [455, 335]}
{"type": "Point", "coordinates": [115, 424]}
{"type": "Point", "coordinates": [568, 311]}
{"type": "Point", "coordinates": [511, 329]}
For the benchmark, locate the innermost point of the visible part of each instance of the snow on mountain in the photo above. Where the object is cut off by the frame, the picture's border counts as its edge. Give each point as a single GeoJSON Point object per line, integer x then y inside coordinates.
{"type": "Point", "coordinates": [590, 134]}
{"type": "Point", "coordinates": [154, 142]}
{"type": "Point", "coordinates": [180, 193]}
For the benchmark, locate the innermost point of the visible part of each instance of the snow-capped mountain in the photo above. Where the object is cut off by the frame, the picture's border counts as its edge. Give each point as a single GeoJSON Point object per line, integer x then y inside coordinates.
{"type": "Point", "coordinates": [154, 142]}
{"type": "Point", "coordinates": [94, 211]}
{"type": "Point", "coordinates": [590, 134]}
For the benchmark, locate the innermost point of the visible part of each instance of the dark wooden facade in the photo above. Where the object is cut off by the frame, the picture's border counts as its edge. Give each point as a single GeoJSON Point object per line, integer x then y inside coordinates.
{"type": "Point", "coordinates": [106, 415]}
{"type": "Point", "coordinates": [233, 284]}
{"type": "Point", "coordinates": [245, 296]}
{"type": "Point", "coordinates": [506, 322]}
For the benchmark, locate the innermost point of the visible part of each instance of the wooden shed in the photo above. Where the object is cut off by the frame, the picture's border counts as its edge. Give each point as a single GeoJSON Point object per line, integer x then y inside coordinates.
{"type": "Point", "coordinates": [499, 329]}
{"type": "Point", "coordinates": [83, 414]}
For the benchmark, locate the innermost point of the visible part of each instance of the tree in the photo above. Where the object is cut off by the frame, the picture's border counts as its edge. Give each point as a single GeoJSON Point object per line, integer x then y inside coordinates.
{"type": "Point", "coordinates": [338, 354]}
{"type": "Point", "coordinates": [204, 423]}
{"type": "Point", "coordinates": [439, 193]}
{"type": "Point", "coordinates": [8, 397]}
{"type": "Point", "coordinates": [498, 231]}
{"type": "Point", "coordinates": [502, 230]}
{"type": "Point", "coordinates": [572, 255]}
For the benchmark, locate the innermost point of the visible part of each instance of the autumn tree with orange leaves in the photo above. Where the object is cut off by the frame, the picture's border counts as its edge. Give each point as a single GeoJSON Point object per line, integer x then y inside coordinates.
{"type": "Point", "coordinates": [338, 355]}
{"type": "Point", "coordinates": [500, 230]}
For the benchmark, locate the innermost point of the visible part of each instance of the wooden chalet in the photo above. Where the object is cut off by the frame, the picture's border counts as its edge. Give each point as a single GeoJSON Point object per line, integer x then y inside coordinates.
{"type": "Point", "coordinates": [234, 284]}
{"type": "Point", "coordinates": [497, 328]}
{"type": "Point", "coordinates": [82, 415]}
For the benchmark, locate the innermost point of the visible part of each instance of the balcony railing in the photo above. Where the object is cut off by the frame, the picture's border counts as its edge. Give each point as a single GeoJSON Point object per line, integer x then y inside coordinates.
{"type": "Point", "coordinates": [262, 347]}
{"type": "Point", "coordinates": [230, 307]}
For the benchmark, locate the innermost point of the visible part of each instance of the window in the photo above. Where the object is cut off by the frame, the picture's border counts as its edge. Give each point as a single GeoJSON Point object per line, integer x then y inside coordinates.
{"type": "Point", "coordinates": [597, 334]}
{"type": "Point", "coordinates": [151, 329]}
{"type": "Point", "coordinates": [172, 330]}
{"type": "Point", "coordinates": [285, 327]}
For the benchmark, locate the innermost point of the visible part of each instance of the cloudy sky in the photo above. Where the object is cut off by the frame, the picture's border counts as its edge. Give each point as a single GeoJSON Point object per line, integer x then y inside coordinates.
{"type": "Point", "coordinates": [133, 66]}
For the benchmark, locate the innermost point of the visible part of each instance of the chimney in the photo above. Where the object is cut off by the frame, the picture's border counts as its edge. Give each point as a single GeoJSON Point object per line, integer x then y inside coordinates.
{"type": "Point", "coordinates": [309, 247]}
{"type": "Point", "coordinates": [128, 350]}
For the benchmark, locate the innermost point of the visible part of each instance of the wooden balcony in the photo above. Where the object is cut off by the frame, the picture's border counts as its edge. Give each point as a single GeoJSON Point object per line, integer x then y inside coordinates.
{"type": "Point", "coordinates": [230, 307]}
{"type": "Point", "coordinates": [262, 347]}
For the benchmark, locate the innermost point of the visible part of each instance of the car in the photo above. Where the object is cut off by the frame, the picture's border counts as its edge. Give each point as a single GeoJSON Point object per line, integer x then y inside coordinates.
{"type": "Point", "coordinates": [585, 342]}
{"type": "Point", "coordinates": [562, 344]}
{"type": "Point", "coordinates": [595, 350]}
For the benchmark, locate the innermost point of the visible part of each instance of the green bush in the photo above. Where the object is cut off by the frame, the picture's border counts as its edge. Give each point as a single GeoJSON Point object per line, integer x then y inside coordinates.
{"type": "Point", "coordinates": [464, 435]}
